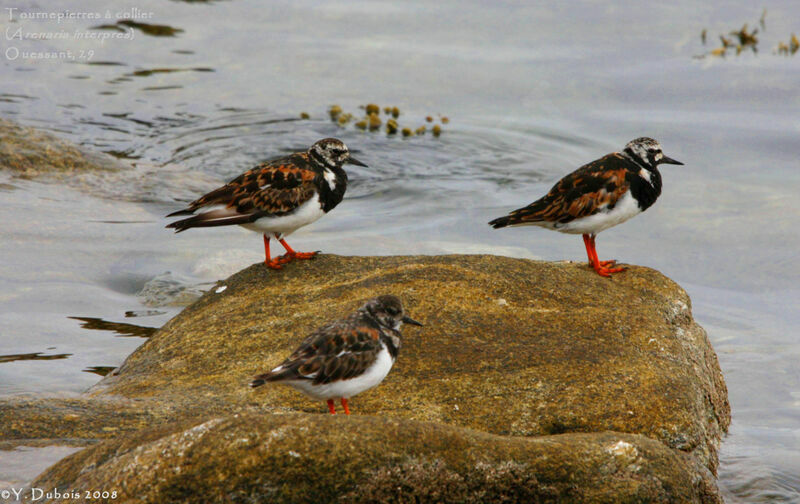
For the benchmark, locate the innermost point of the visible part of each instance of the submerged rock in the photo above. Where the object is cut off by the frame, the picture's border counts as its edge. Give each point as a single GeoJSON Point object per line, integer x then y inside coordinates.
{"type": "Point", "coordinates": [533, 354]}
{"type": "Point", "coordinates": [29, 153]}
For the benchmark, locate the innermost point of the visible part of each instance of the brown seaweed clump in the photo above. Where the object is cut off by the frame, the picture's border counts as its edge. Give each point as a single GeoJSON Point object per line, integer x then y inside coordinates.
{"type": "Point", "coordinates": [737, 41]}
{"type": "Point", "coordinates": [790, 48]}
{"type": "Point", "coordinates": [372, 121]}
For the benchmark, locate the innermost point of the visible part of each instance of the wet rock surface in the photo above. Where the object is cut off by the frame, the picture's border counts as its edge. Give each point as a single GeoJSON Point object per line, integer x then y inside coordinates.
{"type": "Point", "coordinates": [294, 458]}
{"type": "Point", "coordinates": [521, 352]}
{"type": "Point", "coordinates": [30, 153]}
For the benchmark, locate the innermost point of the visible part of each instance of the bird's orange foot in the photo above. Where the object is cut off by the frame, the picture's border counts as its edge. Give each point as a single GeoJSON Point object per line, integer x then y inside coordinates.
{"type": "Point", "coordinates": [274, 263]}
{"type": "Point", "coordinates": [346, 406]}
{"type": "Point", "coordinates": [305, 255]}
{"type": "Point", "coordinates": [331, 406]}
{"type": "Point", "coordinates": [612, 262]}
{"type": "Point", "coordinates": [606, 272]}
{"type": "Point", "coordinates": [290, 256]}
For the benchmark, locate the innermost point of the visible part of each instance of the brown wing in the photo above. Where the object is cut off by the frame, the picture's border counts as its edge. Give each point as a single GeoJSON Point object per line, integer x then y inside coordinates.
{"type": "Point", "coordinates": [271, 189]}
{"type": "Point", "coordinates": [334, 352]}
{"type": "Point", "coordinates": [594, 187]}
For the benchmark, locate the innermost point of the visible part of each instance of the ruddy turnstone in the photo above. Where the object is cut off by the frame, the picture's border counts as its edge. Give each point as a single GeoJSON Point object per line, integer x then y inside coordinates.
{"type": "Point", "coordinates": [346, 357]}
{"type": "Point", "coordinates": [277, 197]}
{"type": "Point", "coordinates": [597, 196]}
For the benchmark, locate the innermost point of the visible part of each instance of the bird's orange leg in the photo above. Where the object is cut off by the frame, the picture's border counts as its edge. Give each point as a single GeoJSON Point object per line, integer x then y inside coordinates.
{"type": "Point", "coordinates": [603, 264]}
{"type": "Point", "coordinates": [292, 254]}
{"type": "Point", "coordinates": [587, 242]}
{"type": "Point", "coordinates": [271, 263]}
{"type": "Point", "coordinates": [601, 267]}
{"type": "Point", "coordinates": [332, 407]}
{"type": "Point", "coordinates": [345, 406]}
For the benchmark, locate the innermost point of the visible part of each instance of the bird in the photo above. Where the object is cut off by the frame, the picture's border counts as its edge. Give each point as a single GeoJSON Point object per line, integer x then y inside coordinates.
{"type": "Point", "coordinates": [346, 357]}
{"type": "Point", "coordinates": [277, 197]}
{"type": "Point", "coordinates": [597, 196]}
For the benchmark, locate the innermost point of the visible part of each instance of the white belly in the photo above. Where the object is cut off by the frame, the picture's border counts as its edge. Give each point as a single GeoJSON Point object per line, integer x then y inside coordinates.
{"type": "Point", "coordinates": [284, 225]}
{"type": "Point", "coordinates": [625, 208]}
{"type": "Point", "coordinates": [348, 388]}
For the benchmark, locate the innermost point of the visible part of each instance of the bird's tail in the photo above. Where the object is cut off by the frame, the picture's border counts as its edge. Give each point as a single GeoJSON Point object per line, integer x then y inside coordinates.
{"type": "Point", "coordinates": [258, 381]}
{"type": "Point", "coordinates": [185, 211]}
{"type": "Point", "coordinates": [530, 214]}
{"type": "Point", "coordinates": [500, 222]}
{"type": "Point", "coordinates": [264, 378]}
{"type": "Point", "coordinates": [219, 217]}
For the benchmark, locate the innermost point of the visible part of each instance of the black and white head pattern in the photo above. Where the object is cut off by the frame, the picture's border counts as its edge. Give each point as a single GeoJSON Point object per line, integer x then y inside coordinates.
{"type": "Point", "coordinates": [330, 152]}
{"type": "Point", "coordinates": [644, 150]}
{"type": "Point", "coordinates": [388, 311]}
{"type": "Point", "coordinates": [647, 152]}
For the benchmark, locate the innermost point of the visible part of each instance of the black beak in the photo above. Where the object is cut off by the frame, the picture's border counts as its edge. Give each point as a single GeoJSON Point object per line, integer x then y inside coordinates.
{"type": "Point", "coordinates": [408, 320]}
{"type": "Point", "coordinates": [669, 160]}
{"type": "Point", "coordinates": [355, 161]}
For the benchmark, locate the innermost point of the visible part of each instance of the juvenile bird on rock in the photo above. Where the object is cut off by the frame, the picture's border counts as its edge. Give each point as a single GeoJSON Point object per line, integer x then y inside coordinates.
{"type": "Point", "coordinates": [346, 357]}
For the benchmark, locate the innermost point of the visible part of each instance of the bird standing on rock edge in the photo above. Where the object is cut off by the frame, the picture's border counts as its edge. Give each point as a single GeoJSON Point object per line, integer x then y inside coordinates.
{"type": "Point", "coordinates": [277, 197]}
{"type": "Point", "coordinates": [597, 196]}
{"type": "Point", "coordinates": [346, 357]}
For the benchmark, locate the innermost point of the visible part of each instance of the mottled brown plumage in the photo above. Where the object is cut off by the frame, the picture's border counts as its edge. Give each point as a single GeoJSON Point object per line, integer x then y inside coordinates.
{"type": "Point", "coordinates": [345, 357]}
{"type": "Point", "coordinates": [271, 188]}
{"type": "Point", "coordinates": [337, 351]}
{"type": "Point", "coordinates": [597, 196]}
{"type": "Point", "coordinates": [595, 186]}
{"type": "Point", "coordinates": [276, 197]}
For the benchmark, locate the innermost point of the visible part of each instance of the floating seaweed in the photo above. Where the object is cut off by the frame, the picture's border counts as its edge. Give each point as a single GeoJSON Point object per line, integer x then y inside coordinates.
{"type": "Point", "coordinates": [747, 39]}
{"type": "Point", "coordinates": [737, 41]}
{"type": "Point", "coordinates": [304, 115]}
{"type": "Point", "coordinates": [32, 356]}
{"type": "Point", "coordinates": [790, 48]}
{"type": "Point", "coordinates": [99, 370]}
{"type": "Point", "coordinates": [344, 119]}
{"type": "Point", "coordinates": [153, 30]}
{"type": "Point", "coordinates": [372, 121]}
{"type": "Point", "coordinates": [119, 328]}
